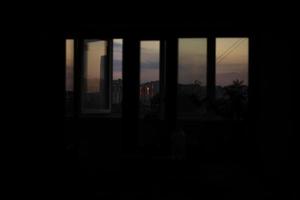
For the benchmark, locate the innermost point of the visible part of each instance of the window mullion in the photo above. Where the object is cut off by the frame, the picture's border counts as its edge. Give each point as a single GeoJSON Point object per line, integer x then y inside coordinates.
{"type": "Point", "coordinates": [162, 77]}
{"type": "Point", "coordinates": [109, 71]}
{"type": "Point", "coordinates": [78, 75]}
{"type": "Point", "coordinates": [211, 67]}
{"type": "Point", "coordinates": [171, 80]}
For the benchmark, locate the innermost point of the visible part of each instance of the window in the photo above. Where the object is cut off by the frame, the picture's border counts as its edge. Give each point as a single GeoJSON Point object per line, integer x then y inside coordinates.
{"type": "Point", "coordinates": [117, 82]}
{"type": "Point", "coordinates": [212, 78]}
{"type": "Point", "coordinates": [149, 79]}
{"type": "Point", "coordinates": [96, 77]}
{"type": "Point", "coordinates": [69, 78]}
{"type": "Point", "coordinates": [232, 77]}
{"type": "Point", "coordinates": [192, 69]}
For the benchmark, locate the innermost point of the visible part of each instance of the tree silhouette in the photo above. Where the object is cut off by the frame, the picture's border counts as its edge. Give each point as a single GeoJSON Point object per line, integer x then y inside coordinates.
{"type": "Point", "coordinates": [197, 97]}
{"type": "Point", "coordinates": [233, 103]}
{"type": "Point", "coordinates": [237, 98]}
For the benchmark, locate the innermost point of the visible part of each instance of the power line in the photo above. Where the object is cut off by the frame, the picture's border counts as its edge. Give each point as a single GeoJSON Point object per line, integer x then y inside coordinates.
{"type": "Point", "coordinates": [229, 50]}
{"type": "Point", "coordinates": [219, 57]}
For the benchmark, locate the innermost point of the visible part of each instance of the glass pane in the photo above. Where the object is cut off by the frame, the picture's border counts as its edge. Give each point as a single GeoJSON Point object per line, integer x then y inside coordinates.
{"type": "Point", "coordinates": [232, 76]}
{"type": "Point", "coordinates": [149, 79]}
{"type": "Point", "coordinates": [192, 68]}
{"type": "Point", "coordinates": [96, 77]}
{"type": "Point", "coordinates": [69, 79]}
{"type": "Point", "coordinates": [117, 90]}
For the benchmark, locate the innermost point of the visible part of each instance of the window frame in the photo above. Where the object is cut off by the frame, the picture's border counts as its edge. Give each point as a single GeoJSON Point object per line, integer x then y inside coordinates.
{"type": "Point", "coordinates": [161, 75]}
{"type": "Point", "coordinates": [209, 75]}
{"type": "Point", "coordinates": [79, 77]}
{"type": "Point", "coordinates": [249, 49]}
{"type": "Point", "coordinates": [69, 114]}
{"type": "Point", "coordinates": [108, 63]}
{"type": "Point", "coordinates": [164, 41]}
{"type": "Point", "coordinates": [211, 69]}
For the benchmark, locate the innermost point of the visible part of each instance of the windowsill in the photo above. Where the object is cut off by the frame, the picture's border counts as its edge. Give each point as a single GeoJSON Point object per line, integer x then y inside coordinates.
{"type": "Point", "coordinates": [208, 119]}
{"type": "Point", "coordinates": [96, 115]}
{"type": "Point", "coordinates": [180, 118]}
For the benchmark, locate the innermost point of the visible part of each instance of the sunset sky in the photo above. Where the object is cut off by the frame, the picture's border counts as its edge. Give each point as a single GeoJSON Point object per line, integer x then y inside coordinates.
{"type": "Point", "coordinates": [149, 61]}
{"type": "Point", "coordinates": [69, 64]}
{"type": "Point", "coordinates": [235, 64]}
{"type": "Point", "coordinates": [192, 60]}
{"type": "Point", "coordinates": [231, 61]}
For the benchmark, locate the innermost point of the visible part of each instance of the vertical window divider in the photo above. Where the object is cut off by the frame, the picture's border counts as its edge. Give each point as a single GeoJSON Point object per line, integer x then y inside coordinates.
{"type": "Point", "coordinates": [162, 78]}
{"type": "Point", "coordinates": [252, 85]}
{"type": "Point", "coordinates": [110, 70]}
{"type": "Point", "coordinates": [171, 80]}
{"type": "Point", "coordinates": [211, 68]}
{"type": "Point", "coordinates": [78, 75]}
{"type": "Point", "coordinates": [67, 112]}
{"type": "Point", "coordinates": [130, 103]}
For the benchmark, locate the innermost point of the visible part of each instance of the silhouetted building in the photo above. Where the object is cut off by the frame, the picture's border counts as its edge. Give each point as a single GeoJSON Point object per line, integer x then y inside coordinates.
{"type": "Point", "coordinates": [103, 97]}
{"type": "Point", "coordinates": [148, 90]}
{"type": "Point", "coordinates": [117, 91]}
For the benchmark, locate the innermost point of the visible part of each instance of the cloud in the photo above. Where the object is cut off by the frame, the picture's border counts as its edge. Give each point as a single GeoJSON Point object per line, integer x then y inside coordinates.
{"type": "Point", "coordinates": [234, 67]}
{"type": "Point", "coordinates": [117, 75]}
{"type": "Point", "coordinates": [118, 47]}
{"type": "Point", "coordinates": [192, 67]}
{"type": "Point", "coordinates": [118, 44]}
{"type": "Point", "coordinates": [150, 65]}
{"type": "Point", "coordinates": [148, 75]}
{"type": "Point", "coordinates": [117, 65]}
{"type": "Point", "coordinates": [188, 73]}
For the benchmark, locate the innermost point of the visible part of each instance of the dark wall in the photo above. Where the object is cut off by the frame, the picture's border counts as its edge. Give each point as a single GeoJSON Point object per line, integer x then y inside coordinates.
{"type": "Point", "coordinates": [265, 142]}
{"type": "Point", "coordinates": [274, 121]}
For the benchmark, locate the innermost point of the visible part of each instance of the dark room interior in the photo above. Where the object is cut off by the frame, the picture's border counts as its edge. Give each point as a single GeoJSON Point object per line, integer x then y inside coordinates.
{"type": "Point", "coordinates": [199, 110]}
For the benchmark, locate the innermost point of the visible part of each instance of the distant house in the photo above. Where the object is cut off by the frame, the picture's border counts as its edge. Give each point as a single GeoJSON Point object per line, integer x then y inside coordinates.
{"type": "Point", "coordinates": [148, 90]}
{"type": "Point", "coordinates": [117, 91]}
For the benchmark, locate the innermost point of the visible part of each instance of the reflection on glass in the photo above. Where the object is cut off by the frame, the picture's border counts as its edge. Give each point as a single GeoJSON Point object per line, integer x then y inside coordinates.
{"type": "Point", "coordinates": [69, 80]}
{"type": "Point", "coordinates": [192, 67]}
{"type": "Point", "coordinates": [117, 90]}
{"type": "Point", "coordinates": [149, 79]}
{"type": "Point", "coordinates": [232, 77]}
{"type": "Point", "coordinates": [95, 96]}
